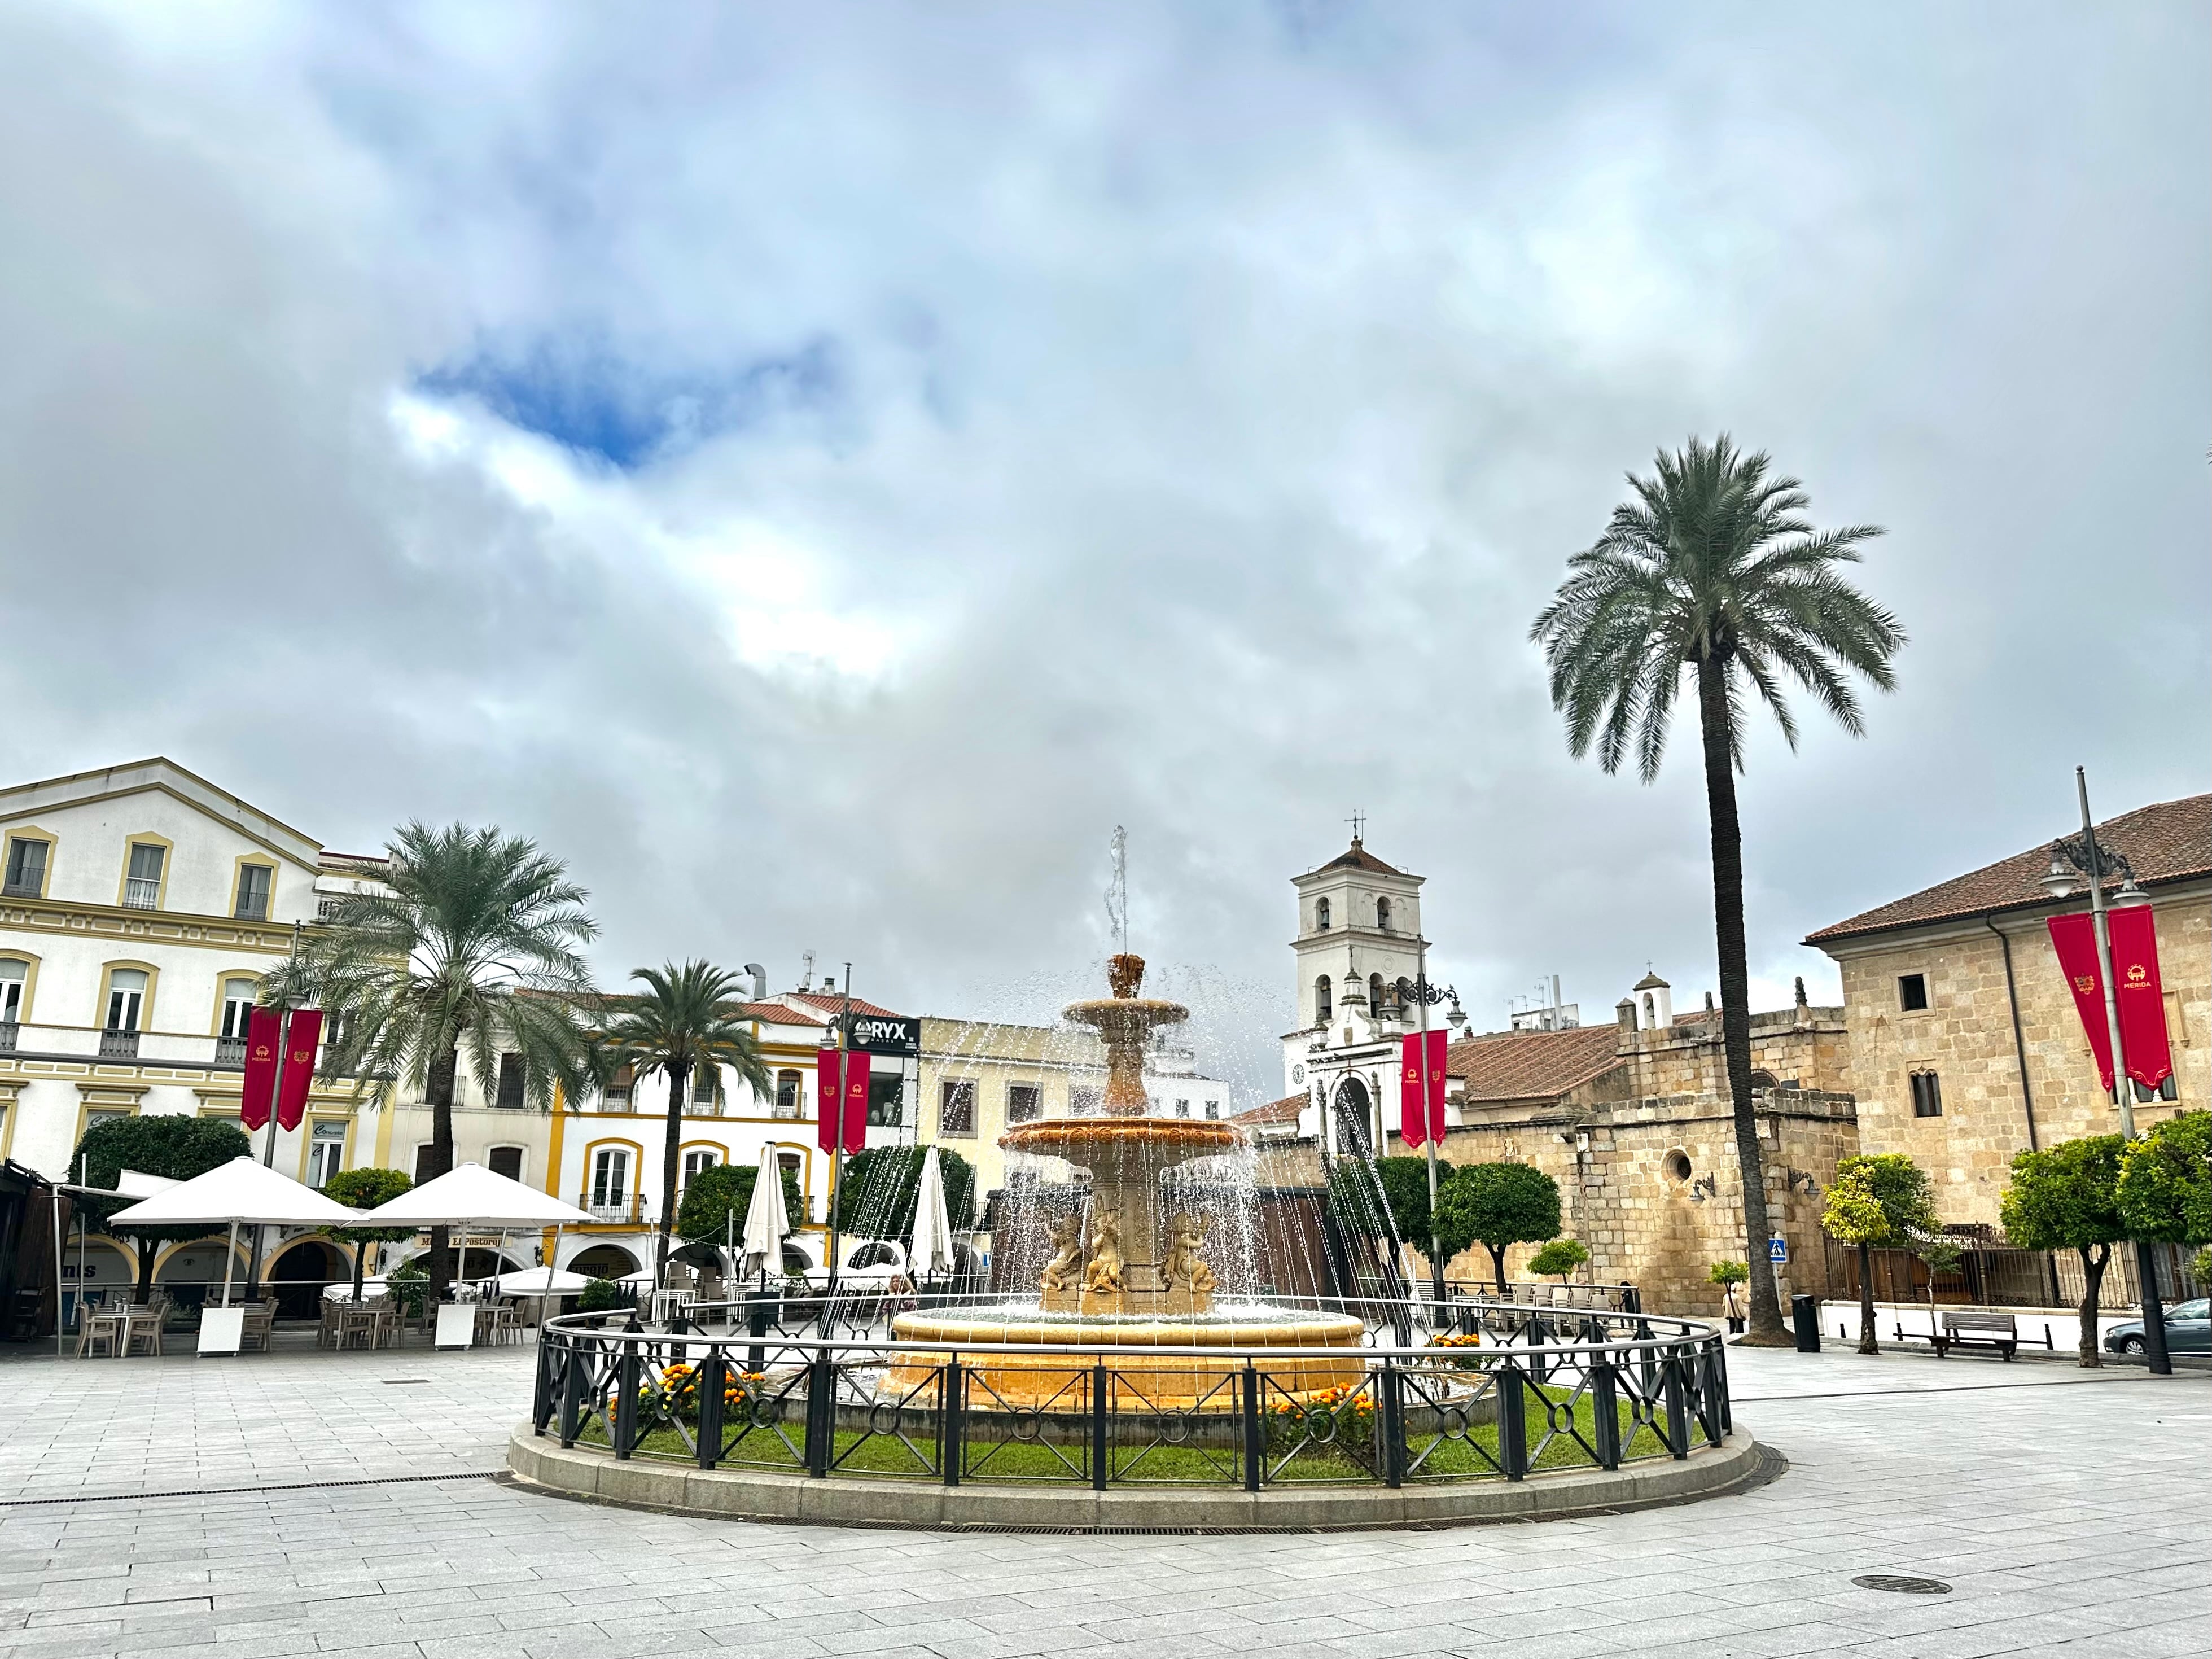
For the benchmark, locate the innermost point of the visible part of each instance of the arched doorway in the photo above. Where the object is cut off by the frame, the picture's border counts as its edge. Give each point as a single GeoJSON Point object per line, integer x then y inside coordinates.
{"type": "Point", "coordinates": [296, 1278]}
{"type": "Point", "coordinates": [1351, 1113]}
{"type": "Point", "coordinates": [191, 1272]}
{"type": "Point", "coordinates": [604, 1261]}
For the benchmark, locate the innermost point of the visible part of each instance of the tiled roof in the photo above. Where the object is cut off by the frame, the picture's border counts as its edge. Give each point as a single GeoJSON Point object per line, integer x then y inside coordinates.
{"type": "Point", "coordinates": [775, 1013]}
{"type": "Point", "coordinates": [1285, 1111]}
{"type": "Point", "coordinates": [836, 1003]}
{"type": "Point", "coordinates": [1356, 857]}
{"type": "Point", "coordinates": [1532, 1065]}
{"type": "Point", "coordinates": [2169, 841]}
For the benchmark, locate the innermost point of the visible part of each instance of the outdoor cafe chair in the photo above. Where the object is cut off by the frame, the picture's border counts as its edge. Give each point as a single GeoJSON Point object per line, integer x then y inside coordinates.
{"type": "Point", "coordinates": [260, 1327]}
{"type": "Point", "coordinates": [98, 1331]}
{"type": "Point", "coordinates": [141, 1329]}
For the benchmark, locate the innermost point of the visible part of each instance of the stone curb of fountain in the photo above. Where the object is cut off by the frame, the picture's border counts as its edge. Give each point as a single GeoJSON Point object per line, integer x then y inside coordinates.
{"type": "Point", "coordinates": [1737, 1464]}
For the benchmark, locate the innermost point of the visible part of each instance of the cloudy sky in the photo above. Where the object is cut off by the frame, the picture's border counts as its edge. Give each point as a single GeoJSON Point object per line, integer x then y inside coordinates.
{"type": "Point", "coordinates": [818, 469]}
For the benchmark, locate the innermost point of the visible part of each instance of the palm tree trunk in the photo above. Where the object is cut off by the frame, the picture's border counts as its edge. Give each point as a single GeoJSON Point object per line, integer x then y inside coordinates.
{"type": "Point", "coordinates": [441, 1091]}
{"type": "Point", "coordinates": [1736, 990]}
{"type": "Point", "coordinates": [678, 1075]}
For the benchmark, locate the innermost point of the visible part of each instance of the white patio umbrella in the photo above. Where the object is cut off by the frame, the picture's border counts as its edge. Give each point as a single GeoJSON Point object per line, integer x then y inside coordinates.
{"type": "Point", "coordinates": [243, 1192]}
{"type": "Point", "coordinates": [768, 1222]}
{"type": "Point", "coordinates": [931, 1248]}
{"type": "Point", "coordinates": [473, 1196]}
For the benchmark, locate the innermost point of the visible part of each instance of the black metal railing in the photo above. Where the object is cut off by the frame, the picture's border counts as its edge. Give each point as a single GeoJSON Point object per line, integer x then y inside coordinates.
{"type": "Point", "coordinates": [1495, 1391]}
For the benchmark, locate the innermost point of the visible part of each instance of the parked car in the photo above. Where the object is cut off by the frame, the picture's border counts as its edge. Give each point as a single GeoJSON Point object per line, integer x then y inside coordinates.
{"type": "Point", "coordinates": [2188, 1330]}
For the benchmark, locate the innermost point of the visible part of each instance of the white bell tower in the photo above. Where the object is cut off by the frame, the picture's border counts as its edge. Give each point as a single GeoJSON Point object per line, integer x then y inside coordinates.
{"type": "Point", "coordinates": [1359, 922]}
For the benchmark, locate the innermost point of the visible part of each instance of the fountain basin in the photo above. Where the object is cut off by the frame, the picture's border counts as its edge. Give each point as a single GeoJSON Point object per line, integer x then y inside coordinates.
{"type": "Point", "coordinates": [1137, 1381]}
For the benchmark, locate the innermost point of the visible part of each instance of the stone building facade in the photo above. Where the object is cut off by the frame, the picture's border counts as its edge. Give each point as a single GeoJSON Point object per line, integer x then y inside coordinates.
{"type": "Point", "coordinates": [1958, 986]}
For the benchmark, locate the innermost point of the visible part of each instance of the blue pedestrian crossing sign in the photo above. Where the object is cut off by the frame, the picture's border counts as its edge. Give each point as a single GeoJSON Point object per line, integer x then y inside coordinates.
{"type": "Point", "coordinates": [1778, 1250]}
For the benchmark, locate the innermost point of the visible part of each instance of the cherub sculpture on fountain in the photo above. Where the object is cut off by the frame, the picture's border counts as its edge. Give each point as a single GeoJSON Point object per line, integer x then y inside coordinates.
{"type": "Point", "coordinates": [1185, 1270]}
{"type": "Point", "coordinates": [1065, 1236]}
{"type": "Point", "coordinates": [1104, 1275]}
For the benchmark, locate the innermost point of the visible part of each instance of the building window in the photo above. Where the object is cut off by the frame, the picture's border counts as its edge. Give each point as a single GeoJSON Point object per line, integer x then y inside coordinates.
{"type": "Point", "coordinates": [238, 996]}
{"type": "Point", "coordinates": [694, 1161]}
{"type": "Point", "coordinates": [1085, 1103]}
{"type": "Point", "coordinates": [127, 998]}
{"type": "Point", "coordinates": [505, 1161]}
{"type": "Point", "coordinates": [142, 886]}
{"type": "Point", "coordinates": [512, 1078]}
{"type": "Point", "coordinates": [611, 1179]}
{"type": "Point", "coordinates": [886, 1102]}
{"type": "Point", "coordinates": [619, 1088]}
{"type": "Point", "coordinates": [1024, 1102]}
{"type": "Point", "coordinates": [1382, 913]}
{"type": "Point", "coordinates": [325, 1153]}
{"type": "Point", "coordinates": [14, 974]}
{"type": "Point", "coordinates": [27, 868]}
{"type": "Point", "coordinates": [1927, 1095]}
{"type": "Point", "coordinates": [1212, 1110]}
{"type": "Point", "coordinates": [254, 881]}
{"type": "Point", "coordinates": [1762, 1080]}
{"type": "Point", "coordinates": [787, 1094]}
{"type": "Point", "coordinates": [956, 1110]}
{"type": "Point", "coordinates": [1183, 1109]}
{"type": "Point", "coordinates": [1912, 992]}
{"type": "Point", "coordinates": [706, 1084]}
{"type": "Point", "coordinates": [1321, 915]}
{"type": "Point", "coordinates": [1324, 1008]}
{"type": "Point", "coordinates": [1374, 995]}
{"type": "Point", "coordinates": [423, 1163]}
{"type": "Point", "coordinates": [2169, 1090]}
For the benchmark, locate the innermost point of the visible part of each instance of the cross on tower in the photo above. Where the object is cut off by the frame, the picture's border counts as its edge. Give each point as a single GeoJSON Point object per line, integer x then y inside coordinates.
{"type": "Point", "coordinates": [1358, 820]}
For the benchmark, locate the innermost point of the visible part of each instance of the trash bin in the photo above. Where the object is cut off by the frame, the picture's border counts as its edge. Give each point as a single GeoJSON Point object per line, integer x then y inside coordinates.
{"type": "Point", "coordinates": [1805, 1319]}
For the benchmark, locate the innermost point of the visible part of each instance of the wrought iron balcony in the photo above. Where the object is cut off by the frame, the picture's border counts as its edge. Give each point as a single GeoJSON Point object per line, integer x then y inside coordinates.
{"type": "Point", "coordinates": [20, 890]}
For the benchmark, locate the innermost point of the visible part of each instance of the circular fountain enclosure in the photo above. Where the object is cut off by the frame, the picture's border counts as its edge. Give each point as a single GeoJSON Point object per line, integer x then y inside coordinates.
{"type": "Point", "coordinates": [1126, 1152]}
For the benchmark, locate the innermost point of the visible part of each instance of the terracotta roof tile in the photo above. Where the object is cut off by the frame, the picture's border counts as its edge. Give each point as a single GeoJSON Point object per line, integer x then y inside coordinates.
{"type": "Point", "coordinates": [1285, 1111]}
{"type": "Point", "coordinates": [1532, 1065]}
{"type": "Point", "coordinates": [2169, 841]}
{"type": "Point", "coordinates": [836, 1003]}
{"type": "Point", "coordinates": [1356, 857]}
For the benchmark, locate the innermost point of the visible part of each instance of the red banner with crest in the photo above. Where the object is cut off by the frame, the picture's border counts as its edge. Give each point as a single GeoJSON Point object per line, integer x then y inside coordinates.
{"type": "Point", "coordinates": [263, 1035]}
{"type": "Point", "coordinates": [2075, 938]}
{"type": "Point", "coordinates": [300, 1042]}
{"type": "Point", "coordinates": [1412, 1091]}
{"type": "Point", "coordinates": [2142, 999]}
{"type": "Point", "coordinates": [829, 1091]}
{"type": "Point", "coordinates": [1421, 1087]}
{"type": "Point", "coordinates": [856, 1100]}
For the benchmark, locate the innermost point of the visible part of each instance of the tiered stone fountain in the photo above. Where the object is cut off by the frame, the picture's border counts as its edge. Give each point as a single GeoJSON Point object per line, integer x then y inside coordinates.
{"type": "Point", "coordinates": [1122, 1274]}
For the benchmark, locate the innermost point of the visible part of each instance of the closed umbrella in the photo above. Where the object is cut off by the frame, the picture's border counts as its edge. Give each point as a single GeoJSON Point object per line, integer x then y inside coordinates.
{"type": "Point", "coordinates": [768, 1222]}
{"type": "Point", "coordinates": [931, 1247]}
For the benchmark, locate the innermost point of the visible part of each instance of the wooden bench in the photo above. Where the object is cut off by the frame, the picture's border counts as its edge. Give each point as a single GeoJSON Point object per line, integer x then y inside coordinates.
{"type": "Point", "coordinates": [1972, 1330]}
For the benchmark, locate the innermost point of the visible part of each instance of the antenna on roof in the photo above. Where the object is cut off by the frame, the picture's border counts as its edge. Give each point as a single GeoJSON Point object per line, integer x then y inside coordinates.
{"type": "Point", "coordinates": [806, 971]}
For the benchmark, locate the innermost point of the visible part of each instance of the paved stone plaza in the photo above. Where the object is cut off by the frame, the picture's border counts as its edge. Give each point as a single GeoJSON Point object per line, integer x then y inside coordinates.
{"type": "Point", "coordinates": [2068, 1510]}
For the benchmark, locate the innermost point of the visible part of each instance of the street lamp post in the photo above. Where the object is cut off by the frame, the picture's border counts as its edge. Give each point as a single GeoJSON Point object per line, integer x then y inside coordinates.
{"type": "Point", "coordinates": [2096, 862]}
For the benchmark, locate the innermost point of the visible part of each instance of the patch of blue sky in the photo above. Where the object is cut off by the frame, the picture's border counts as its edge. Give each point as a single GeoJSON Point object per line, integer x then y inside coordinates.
{"type": "Point", "coordinates": [627, 413]}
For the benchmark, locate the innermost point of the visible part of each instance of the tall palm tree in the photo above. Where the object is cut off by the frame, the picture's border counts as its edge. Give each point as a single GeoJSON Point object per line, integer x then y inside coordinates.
{"type": "Point", "coordinates": [470, 951]}
{"type": "Point", "coordinates": [1709, 571]}
{"type": "Point", "coordinates": [686, 1019]}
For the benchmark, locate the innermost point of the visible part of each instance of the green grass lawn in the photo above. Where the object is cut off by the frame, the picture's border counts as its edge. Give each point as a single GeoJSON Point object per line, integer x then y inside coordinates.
{"type": "Point", "coordinates": [1461, 1457]}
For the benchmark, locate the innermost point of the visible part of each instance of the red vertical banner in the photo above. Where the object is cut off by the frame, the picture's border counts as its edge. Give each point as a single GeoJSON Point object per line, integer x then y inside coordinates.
{"type": "Point", "coordinates": [2142, 999]}
{"type": "Point", "coordinates": [2075, 937]}
{"type": "Point", "coordinates": [1433, 1068]}
{"type": "Point", "coordinates": [856, 1100]}
{"type": "Point", "coordinates": [1412, 1091]}
{"type": "Point", "coordinates": [828, 1094]}
{"type": "Point", "coordinates": [299, 1043]}
{"type": "Point", "coordinates": [262, 1036]}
